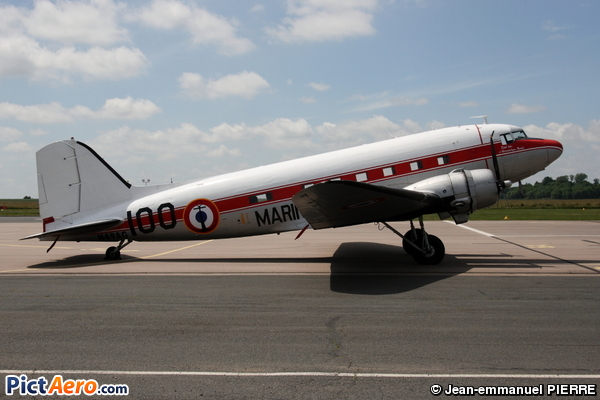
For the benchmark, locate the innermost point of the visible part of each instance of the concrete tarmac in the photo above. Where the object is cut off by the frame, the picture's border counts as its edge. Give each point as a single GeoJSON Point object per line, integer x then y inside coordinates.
{"type": "Point", "coordinates": [339, 313]}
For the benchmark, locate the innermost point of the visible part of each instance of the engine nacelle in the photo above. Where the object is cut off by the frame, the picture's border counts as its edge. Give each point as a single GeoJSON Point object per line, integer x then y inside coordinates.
{"type": "Point", "coordinates": [463, 191]}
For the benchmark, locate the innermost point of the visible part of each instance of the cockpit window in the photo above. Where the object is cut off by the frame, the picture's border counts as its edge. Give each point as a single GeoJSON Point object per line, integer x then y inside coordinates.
{"type": "Point", "coordinates": [506, 138]}
{"type": "Point", "coordinates": [519, 135]}
{"type": "Point", "coordinates": [510, 137]}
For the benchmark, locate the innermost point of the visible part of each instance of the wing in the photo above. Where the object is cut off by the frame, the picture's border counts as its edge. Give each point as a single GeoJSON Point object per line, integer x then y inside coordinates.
{"type": "Point", "coordinates": [343, 203]}
{"type": "Point", "coordinates": [83, 229]}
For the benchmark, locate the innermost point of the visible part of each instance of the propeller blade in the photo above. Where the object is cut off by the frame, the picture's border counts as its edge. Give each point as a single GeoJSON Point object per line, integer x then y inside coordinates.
{"type": "Point", "coordinates": [521, 191]}
{"type": "Point", "coordinates": [499, 182]}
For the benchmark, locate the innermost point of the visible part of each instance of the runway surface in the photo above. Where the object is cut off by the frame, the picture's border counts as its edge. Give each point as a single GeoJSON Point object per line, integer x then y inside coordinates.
{"type": "Point", "coordinates": [341, 313]}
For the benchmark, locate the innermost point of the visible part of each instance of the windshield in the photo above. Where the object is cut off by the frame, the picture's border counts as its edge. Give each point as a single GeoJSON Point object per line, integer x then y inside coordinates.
{"type": "Point", "coordinates": [519, 135]}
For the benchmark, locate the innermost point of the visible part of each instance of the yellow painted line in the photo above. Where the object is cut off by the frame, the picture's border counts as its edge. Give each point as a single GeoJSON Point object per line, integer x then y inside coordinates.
{"type": "Point", "coordinates": [103, 263]}
{"type": "Point", "coordinates": [539, 246]}
{"type": "Point", "coordinates": [176, 250]}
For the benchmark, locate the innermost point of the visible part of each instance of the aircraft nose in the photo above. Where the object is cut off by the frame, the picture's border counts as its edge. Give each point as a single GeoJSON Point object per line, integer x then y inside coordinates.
{"type": "Point", "coordinates": [555, 149]}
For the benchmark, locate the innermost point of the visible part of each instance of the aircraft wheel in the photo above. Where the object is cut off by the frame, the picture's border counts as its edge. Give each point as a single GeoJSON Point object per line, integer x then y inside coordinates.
{"type": "Point", "coordinates": [112, 253]}
{"type": "Point", "coordinates": [415, 237]}
{"type": "Point", "coordinates": [433, 255]}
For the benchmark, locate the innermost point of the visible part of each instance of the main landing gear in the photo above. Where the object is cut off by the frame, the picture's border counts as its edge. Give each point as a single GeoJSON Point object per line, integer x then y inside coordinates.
{"type": "Point", "coordinates": [424, 248]}
{"type": "Point", "coordinates": [114, 253]}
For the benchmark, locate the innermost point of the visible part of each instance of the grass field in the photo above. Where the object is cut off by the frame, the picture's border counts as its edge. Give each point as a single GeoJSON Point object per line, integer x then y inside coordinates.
{"type": "Point", "coordinates": [557, 210]}
{"type": "Point", "coordinates": [19, 208]}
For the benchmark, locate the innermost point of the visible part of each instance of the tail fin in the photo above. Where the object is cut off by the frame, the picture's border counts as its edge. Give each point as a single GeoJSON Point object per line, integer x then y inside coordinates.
{"type": "Point", "coordinates": [72, 179]}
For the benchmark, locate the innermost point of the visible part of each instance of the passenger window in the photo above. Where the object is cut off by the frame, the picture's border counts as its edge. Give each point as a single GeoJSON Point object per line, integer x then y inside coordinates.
{"type": "Point", "coordinates": [361, 177]}
{"type": "Point", "coordinates": [260, 198]}
{"type": "Point", "coordinates": [443, 160]}
{"type": "Point", "coordinates": [414, 166]}
{"type": "Point", "coordinates": [389, 171]}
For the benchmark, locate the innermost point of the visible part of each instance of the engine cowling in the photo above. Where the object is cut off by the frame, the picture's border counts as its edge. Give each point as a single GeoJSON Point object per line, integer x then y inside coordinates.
{"type": "Point", "coordinates": [463, 191]}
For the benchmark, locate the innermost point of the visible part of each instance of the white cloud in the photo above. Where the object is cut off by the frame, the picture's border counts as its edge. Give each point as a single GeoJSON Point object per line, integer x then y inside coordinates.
{"type": "Point", "coordinates": [383, 101]}
{"type": "Point", "coordinates": [23, 56]}
{"type": "Point", "coordinates": [569, 132]}
{"type": "Point", "coordinates": [284, 133]}
{"type": "Point", "coordinates": [581, 145]}
{"type": "Point", "coordinates": [557, 36]}
{"type": "Point", "coordinates": [18, 147]}
{"type": "Point", "coordinates": [125, 140]}
{"type": "Point", "coordinates": [307, 100]}
{"type": "Point", "coordinates": [190, 152]}
{"type": "Point", "coordinates": [524, 109]}
{"type": "Point", "coordinates": [203, 26]}
{"type": "Point", "coordinates": [41, 113]}
{"type": "Point", "coordinates": [226, 132]}
{"type": "Point", "coordinates": [8, 134]}
{"type": "Point", "coordinates": [408, 101]}
{"type": "Point", "coordinates": [10, 19]}
{"type": "Point", "coordinates": [38, 132]}
{"type": "Point", "coordinates": [322, 20]}
{"type": "Point", "coordinates": [223, 151]}
{"type": "Point", "coordinates": [54, 112]}
{"type": "Point", "coordinates": [551, 26]}
{"type": "Point", "coordinates": [167, 144]}
{"type": "Point", "coordinates": [245, 84]}
{"type": "Point", "coordinates": [92, 22]}
{"type": "Point", "coordinates": [127, 108]}
{"type": "Point", "coordinates": [281, 133]}
{"type": "Point", "coordinates": [62, 24]}
{"type": "Point", "coordinates": [352, 133]}
{"type": "Point", "coordinates": [319, 86]}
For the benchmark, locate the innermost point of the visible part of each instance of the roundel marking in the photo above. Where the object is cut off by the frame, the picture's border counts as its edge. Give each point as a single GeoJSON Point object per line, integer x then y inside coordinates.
{"type": "Point", "coordinates": [201, 216]}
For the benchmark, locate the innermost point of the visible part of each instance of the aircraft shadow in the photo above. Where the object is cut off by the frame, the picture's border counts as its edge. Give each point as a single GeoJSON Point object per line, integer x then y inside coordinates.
{"type": "Point", "coordinates": [377, 269]}
{"type": "Point", "coordinates": [355, 267]}
{"type": "Point", "coordinates": [78, 261]}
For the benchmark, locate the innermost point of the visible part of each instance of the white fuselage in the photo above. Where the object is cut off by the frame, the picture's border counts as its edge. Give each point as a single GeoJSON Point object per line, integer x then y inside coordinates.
{"type": "Point", "coordinates": [258, 200]}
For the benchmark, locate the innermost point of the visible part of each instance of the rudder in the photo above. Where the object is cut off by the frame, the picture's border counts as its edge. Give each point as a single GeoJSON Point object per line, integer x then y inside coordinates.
{"type": "Point", "coordinates": [74, 179]}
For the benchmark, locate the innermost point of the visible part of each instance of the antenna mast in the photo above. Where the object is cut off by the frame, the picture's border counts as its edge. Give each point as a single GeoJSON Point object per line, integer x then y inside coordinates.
{"type": "Point", "coordinates": [482, 116]}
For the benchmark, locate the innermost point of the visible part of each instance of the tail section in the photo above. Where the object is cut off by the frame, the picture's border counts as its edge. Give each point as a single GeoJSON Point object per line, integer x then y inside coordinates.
{"type": "Point", "coordinates": [73, 180]}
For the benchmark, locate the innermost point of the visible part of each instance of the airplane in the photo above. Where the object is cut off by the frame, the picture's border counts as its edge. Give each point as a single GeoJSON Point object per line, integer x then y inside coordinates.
{"type": "Point", "coordinates": [451, 172]}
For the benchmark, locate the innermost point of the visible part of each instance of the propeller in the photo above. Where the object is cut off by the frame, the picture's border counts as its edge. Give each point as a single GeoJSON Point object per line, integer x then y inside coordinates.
{"type": "Point", "coordinates": [499, 182]}
{"type": "Point", "coordinates": [521, 191]}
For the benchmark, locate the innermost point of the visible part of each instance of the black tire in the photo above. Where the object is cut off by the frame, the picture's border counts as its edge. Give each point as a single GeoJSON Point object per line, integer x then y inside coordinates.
{"type": "Point", "coordinates": [112, 253]}
{"type": "Point", "coordinates": [433, 255]}
{"type": "Point", "coordinates": [415, 237]}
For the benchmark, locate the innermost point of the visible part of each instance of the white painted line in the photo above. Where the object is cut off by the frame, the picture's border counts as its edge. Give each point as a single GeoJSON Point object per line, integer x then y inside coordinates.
{"type": "Point", "coordinates": [302, 374]}
{"type": "Point", "coordinates": [472, 229]}
{"type": "Point", "coordinates": [561, 236]}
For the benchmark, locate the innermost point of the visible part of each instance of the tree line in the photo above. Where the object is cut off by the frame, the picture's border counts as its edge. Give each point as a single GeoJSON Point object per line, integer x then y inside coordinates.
{"type": "Point", "coordinates": [564, 187]}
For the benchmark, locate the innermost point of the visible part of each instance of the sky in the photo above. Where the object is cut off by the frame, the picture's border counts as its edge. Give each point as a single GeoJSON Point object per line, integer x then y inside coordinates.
{"type": "Point", "coordinates": [178, 90]}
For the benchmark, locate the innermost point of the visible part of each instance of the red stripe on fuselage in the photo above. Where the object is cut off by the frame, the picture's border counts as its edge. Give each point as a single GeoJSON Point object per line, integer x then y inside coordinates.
{"type": "Point", "coordinates": [402, 168]}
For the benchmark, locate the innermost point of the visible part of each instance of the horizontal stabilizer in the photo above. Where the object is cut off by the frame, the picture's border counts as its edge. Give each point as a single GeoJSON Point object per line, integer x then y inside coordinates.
{"type": "Point", "coordinates": [82, 229]}
{"type": "Point", "coordinates": [344, 203]}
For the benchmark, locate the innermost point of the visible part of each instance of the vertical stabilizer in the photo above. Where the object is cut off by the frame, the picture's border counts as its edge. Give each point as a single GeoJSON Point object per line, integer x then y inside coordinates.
{"type": "Point", "coordinates": [73, 180]}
